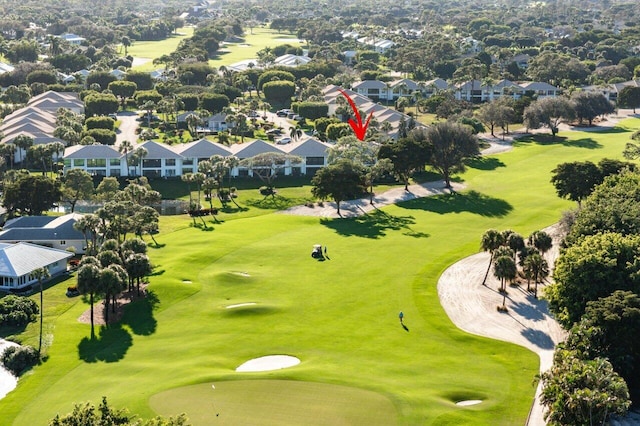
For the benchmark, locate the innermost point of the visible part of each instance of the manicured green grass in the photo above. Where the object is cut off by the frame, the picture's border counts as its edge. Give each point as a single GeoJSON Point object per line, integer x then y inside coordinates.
{"type": "Point", "coordinates": [339, 317]}
{"type": "Point", "coordinates": [252, 43]}
{"type": "Point", "coordinates": [155, 49]}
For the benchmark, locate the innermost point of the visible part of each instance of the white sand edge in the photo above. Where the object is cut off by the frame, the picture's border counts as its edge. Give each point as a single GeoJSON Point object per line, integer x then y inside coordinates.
{"type": "Point", "coordinates": [8, 381]}
{"type": "Point", "coordinates": [239, 305]}
{"type": "Point", "coordinates": [268, 363]}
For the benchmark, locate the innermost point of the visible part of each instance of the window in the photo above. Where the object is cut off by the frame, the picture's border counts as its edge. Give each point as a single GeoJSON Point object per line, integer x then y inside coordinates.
{"type": "Point", "coordinates": [67, 162]}
{"type": "Point", "coordinates": [96, 162]}
{"type": "Point", "coordinates": [170, 162]}
{"type": "Point", "coordinates": [151, 164]}
{"type": "Point", "coordinates": [187, 162]}
{"type": "Point", "coordinates": [114, 162]}
{"type": "Point", "coordinates": [315, 161]}
{"type": "Point", "coordinates": [78, 162]}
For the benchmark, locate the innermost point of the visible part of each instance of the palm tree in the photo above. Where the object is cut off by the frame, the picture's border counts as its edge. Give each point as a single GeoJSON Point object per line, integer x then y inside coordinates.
{"type": "Point", "coordinates": [111, 283]}
{"type": "Point", "coordinates": [491, 240]}
{"type": "Point", "coordinates": [295, 133]}
{"type": "Point", "coordinates": [124, 148]}
{"type": "Point", "coordinates": [504, 269]}
{"type": "Point", "coordinates": [541, 241]}
{"type": "Point", "coordinates": [42, 274]}
{"type": "Point", "coordinates": [188, 178]}
{"type": "Point", "coordinates": [139, 154]}
{"type": "Point", "coordinates": [516, 243]}
{"type": "Point", "coordinates": [23, 142]}
{"type": "Point", "coordinates": [126, 42]}
{"type": "Point", "coordinates": [538, 268]}
{"type": "Point", "coordinates": [89, 283]}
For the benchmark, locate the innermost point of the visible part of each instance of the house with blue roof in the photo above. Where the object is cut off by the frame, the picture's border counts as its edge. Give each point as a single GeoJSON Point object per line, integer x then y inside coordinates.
{"type": "Point", "coordinates": [48, 231]}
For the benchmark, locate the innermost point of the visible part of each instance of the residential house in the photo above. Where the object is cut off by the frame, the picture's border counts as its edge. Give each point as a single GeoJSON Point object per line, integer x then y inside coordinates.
{"type": "Point", "coordinates": [97, 160]}
{"type": "Point", "coordinates": [540, 89]}
{"type": "Point", "coordinates": [49, 231]}
{"type": "Point", "coordinates": [53, 101]}
{"type": "Point", "coordinates": [611, 91]}
{"type": "Point", "coordinates": [19, 261]}
{"type": "Point", "coordinates": [4, 67]}
{"type": "Point", "coordinates": [216, 123]}
{"type": "Point", "coordinates": [377, 44]}
{"type": "Point", "coordinates": [73, 39]}
{"type": "Point", "coordinates": [312, 151]}
{"type": "Point", "coordinates": [373, 89]}
{"type": "Point", "coordinates": [161, 160]}
{"type": "Point", "coordinates": [431, 87]}
{"type": "Point", "coordinates": [193, 153]}
{"type": "Point", "coordinates": [402, 88]}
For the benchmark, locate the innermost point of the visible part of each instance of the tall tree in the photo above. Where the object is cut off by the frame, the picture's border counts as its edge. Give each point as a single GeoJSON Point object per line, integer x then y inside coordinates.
{"type": "Point", "coordinates": [629, 97]}
{"type": "Point", "coordinates": [31, 195]}
{"type": "Point", "coordinates": [576, 180]}
{"type": "Point", "coordinates": [78, 185]}
{"type": "Point", "coordinates": [267, 166]}
{"type": "Point", "coordinates": [89, 283]}
{"type": "Point", "coordinates": [451, 144]}
{"type": "Point", "coordinates": [549, 112]}
{"type": "Point", "coordinates": [491, 241]}
{"type": "Point", "coordinates": [339, 181]}
{"type": "Point", "coordinates": [536, 267]}
{"type": "Point", "coordinates": [504, 269]}
{"type": "Point", "coordinates": [41, 274]}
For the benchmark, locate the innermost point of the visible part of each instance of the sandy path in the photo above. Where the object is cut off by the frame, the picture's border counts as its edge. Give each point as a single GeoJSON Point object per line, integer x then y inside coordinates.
{"type": "Point", "coordinates": [472, 307]}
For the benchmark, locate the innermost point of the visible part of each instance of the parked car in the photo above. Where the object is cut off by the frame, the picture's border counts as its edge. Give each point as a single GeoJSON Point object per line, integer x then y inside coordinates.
{"type": "Point", "coordinates": [283, 112]}
{"type": "Point", "coordinates": [274, 132]}
{"type": "Point", "coordinates": [113, 116]}
{"type": "Point", "coordinates": [252, 114]}
{"type": "Point", "coordinates": [283, 141]}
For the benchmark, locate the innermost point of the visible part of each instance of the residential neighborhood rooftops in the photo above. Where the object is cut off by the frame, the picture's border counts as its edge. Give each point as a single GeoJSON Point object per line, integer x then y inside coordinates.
{"type": "Point", "coordinates": [202, 148]}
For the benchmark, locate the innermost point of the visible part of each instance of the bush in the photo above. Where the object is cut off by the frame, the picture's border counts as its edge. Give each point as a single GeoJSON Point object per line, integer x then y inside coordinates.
{"type": "Point", "coordinates": [100, 122]}
{"type": "Point", "coordinates": [17, 359]}
{"type": "Point", "coordinates": [17, 311]}
{"type": "Point", "coordinates": [102, 136]}
{"type": "Point", "coordinates": [266, 191]}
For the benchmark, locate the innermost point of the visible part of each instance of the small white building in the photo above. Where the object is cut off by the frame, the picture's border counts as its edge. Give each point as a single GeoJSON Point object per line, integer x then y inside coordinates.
{"type": "Point", "coordinates": [19, 261]}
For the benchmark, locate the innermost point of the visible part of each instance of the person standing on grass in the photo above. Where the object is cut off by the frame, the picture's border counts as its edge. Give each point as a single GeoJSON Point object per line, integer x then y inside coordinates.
{"type": "Point", "coordinates": [401, 316]}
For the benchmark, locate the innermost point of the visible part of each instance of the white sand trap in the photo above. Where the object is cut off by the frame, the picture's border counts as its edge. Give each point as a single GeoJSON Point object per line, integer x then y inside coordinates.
{"type": "Point", "coordinates": [186, 281]}
{"type": "Point", "coordinates": [239, 305]}
{"type": "Point", "coordinates": [8, 381]}
{"type": "Point", "coordinates": [268, 363]}
{"type": "Point", "coordinates": [242, 274]}
{"type": "Point", "coordinates": [469, 402]}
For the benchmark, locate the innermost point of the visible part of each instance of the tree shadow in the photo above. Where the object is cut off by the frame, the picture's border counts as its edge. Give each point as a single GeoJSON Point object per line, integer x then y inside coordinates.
{"type": "Point", "coordinates": [548, 139]}
{"type": "Point", "coordinates": [373, 225]}
{"type": "Point", "coordinates": [538, 338]}
{"type": "Point", "coordinates": [111, 345]}
{"type": "Point", "coordinates": [228, 209]}
{"type": "Point", "coordinates": [528, 310]}
{"type": "Point", "coordinates": [471, 201]}
{"type": "Point", "coordinates": [484, 163]}
{"type": "Point", "coordinates": [138, 315]}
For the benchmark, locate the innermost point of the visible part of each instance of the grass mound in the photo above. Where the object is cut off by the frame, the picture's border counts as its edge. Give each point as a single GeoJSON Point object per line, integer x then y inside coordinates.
{"type": "Point", "coordinates": [276, 402]}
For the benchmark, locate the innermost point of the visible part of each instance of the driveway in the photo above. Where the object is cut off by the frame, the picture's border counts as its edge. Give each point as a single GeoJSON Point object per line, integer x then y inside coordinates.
{"type": "Point", "coordinates": [127, 129]}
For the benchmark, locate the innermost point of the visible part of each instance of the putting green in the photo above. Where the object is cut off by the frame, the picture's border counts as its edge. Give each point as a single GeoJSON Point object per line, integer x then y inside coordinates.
{"type": "Point", "coordinates": [276, 402]}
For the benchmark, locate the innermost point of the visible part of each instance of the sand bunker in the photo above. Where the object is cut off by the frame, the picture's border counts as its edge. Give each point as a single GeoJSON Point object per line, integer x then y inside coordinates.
{"type": "Point", "coordinates": [242, 274]}
{"type": "Point", "coordinates": [8, 381]}
{"type": "Point", "coordinates": [268, 363]}
{"type": "Point", "coordinates": [239, 305]}
{"type": "Point", "coordinates": [186, 281]}
{"type": "Point", "coordinates": [469, 402]}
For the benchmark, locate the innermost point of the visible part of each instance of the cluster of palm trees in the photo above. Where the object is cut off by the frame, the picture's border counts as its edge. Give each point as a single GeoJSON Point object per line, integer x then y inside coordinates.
{"type": "Point", "coordinates": [114, 269]}
{"type": "Point", "coordinates": [210, 176]}
{"type": "Point", "coordinates": [509, 250]}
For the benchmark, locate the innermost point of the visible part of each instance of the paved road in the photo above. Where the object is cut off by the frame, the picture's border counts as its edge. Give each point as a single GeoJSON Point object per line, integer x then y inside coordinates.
{"type": "Point", "coordinates": [127, 129]}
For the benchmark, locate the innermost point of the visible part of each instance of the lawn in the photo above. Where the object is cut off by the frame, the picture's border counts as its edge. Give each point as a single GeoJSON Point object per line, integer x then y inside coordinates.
{"type": "Point", "coordinates": [339, 317]}
{"type": "Point", "coordinates": [230, 53]}
{"type": "Point", "coordinates": [154, 49]}
{"type": "Point", "coordinates": [253, 41]}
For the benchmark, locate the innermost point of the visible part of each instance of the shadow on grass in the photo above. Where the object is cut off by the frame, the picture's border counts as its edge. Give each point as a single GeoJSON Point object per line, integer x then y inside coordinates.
{"type": "Point", "coordinates": [138, 315]}
{"type": "Point", "coordinates": [472, 202]}
{"type": "Point", "coordinates": [485, 163]}
{"type": "Point", "coordinates": [111, 345]}
{"type": "Point", "coordinates": [373, 225]}
{"type": "Point", "coordinates": [548, 139]}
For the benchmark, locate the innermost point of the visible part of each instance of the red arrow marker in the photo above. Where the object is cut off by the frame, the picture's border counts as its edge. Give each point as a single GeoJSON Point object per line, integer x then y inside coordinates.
{"type": "Point", "coordinates": [358, 128]}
